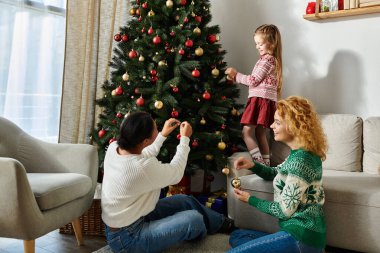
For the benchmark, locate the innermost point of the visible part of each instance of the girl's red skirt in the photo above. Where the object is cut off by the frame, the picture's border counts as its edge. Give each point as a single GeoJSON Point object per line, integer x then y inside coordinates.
{"type": "Point", "coordinates": [259, 111]}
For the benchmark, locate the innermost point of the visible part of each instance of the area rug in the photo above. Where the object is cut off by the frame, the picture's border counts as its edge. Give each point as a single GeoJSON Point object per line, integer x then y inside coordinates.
{"type": "Point", "coordinates": [217, 243]}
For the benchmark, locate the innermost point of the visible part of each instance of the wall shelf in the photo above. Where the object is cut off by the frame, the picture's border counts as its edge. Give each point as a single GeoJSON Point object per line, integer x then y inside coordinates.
{"type": "Point", "coordinates": [342, 13]}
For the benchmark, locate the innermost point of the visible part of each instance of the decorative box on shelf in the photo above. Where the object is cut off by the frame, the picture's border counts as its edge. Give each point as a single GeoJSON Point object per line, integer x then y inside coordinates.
{"type": "Point", "coordinates": [91, 221]}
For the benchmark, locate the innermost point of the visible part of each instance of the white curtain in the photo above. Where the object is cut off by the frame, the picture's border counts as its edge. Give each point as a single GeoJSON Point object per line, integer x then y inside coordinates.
{"type": "Point", "coordinates": [91, 25]}
{"type": "Point", "coordinates": [31, 64]}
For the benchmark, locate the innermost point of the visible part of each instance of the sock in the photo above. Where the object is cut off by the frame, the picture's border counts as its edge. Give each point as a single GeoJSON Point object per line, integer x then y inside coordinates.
{"type": "Point", "coordinates": [266, 159]}
{"type": "Point", "coordinates": [256, 155]}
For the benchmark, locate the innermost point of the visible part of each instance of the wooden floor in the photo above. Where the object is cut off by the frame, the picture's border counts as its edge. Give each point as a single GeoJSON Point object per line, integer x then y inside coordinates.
{"type": "Point", "coordinates": [62, 243]}
{"type": "Point", "coordinates": [54, 242]}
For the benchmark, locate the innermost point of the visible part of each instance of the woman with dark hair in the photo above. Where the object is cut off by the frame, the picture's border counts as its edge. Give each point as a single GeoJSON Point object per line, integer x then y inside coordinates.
{"type": "Point", "coordinates": [136, 219]}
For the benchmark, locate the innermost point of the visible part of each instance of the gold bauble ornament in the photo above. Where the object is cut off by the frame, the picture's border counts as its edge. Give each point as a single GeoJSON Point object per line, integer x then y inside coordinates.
{"type": "Point", "coordinates": [226, 171]}
{"type": "Point", "coordinates": [236, 183]}
{"type": "Point", "coordinates": [197, 31]}
{"type": "Point", "coordinates": [217, 37]}
{"type": "Point", "coordinates": [209, 157]}
{"type": "Point", "coordinates": [141, 58]}
{"type": "Point", "coordinates": [222, 145]}
{"type": "Point", "coordinates": [132, 11]}
{"type": "Point", "coordinates": [169, 3]}
{"type": "Point", "coordinates": [215, 72]}
{"type": "Point", "coordinates": [125, 77]}
{"type": "Point", "coordinates": [199, 51]}
{"type": "Point", "coordinates": [203, 121]}
{"type": "Point", "coordinates": [158, 104]}
{"type": "Point", "coordinates": [151, 13]}
{"type": "Point", "coordinates": [161, 63]}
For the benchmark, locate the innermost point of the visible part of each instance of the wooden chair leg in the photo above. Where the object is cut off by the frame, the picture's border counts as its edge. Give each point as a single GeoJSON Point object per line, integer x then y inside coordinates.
{"type": "Point", "coordinates": [29, 246]}
{"type": "Point", "coordinates": [78, 231]}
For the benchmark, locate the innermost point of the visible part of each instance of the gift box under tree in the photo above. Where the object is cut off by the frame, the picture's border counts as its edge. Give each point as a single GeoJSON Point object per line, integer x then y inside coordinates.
{"type": "Point", "coordinates": [217, 201]}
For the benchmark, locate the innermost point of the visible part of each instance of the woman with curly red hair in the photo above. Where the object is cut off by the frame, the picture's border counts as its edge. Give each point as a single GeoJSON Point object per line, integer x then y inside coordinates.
{"type": "Point", "coordinates": [297, 182]}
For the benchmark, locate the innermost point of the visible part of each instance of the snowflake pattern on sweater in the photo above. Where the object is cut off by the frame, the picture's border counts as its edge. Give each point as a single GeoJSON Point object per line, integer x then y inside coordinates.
{"type": "Point", "coordinates": [298, 196]}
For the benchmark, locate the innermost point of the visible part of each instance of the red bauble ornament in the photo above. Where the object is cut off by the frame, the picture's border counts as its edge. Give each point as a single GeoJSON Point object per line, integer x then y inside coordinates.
{"type": "Point", "coordinates": [153, 72]}
{"type": "Point", "coordinates": [112, 140]}
{"type": "Point", "coordinates": [206, 95]}
{"type": "Point", "coordinates": [119, 90]}
{"type": "Point", "coordinates": [119, 115]}
{"type": "Point", "coordinates": [137, 90]}
{"type": "Point", "coordinates": [154, 79]}
{"type": "Point", "coordinates": [223, 126]}
{"type": "Point", "coordinates": [113, 122]}
{"type": "Point", "coordinates": [186, 20]}
{"type": "Point", "coordinates": [178, 136]}
{"type": "Point", "coordinates": [145, 5]}
{"type": "Point", "coordinates": [140, 19]}
{"type": "Point", "coordinates": [174, 113]}
{"type": "Point", "coordinates": [175, 89]}
{"type": "Point", "coordinates": [195, 144]}
{"type": "Point", "coordinates": [195, 73]}
{"type": "Point", "coordinates": [183, 2]}
{"type": "Point", "coordinates": [181, 51]}
{"type": "Point", "coordinates": [137, 12]}
{"type": "Point", "coordinates": [211, 38]}
{"type": "Point", "coordinates": [132, 54]}
{"type": "Point", "coordinates": [172, 33]}
{"type": "Point", "coordinates": [143, 30]}
{"type": "Point", "coordinates": [140, 101]}
{"type": "Point", "coordinates": [101, 133]}
{"type": "Point", "coordinates": [198, 18]}
{"type": "Point", "coordinates": [156, 40]}
{"type": "Point", "coordinates": [189, 43]}
{"type": "Point", "coordinates": [117, 37]}
{"type": "Point", "coordinates": [210, 177]}
{"type": "Point", "coordinates": [150, 31]}
{"type": "Point", "coordinates": [124, 38]}
{"type": "Point", "coordinates": [224, 98]}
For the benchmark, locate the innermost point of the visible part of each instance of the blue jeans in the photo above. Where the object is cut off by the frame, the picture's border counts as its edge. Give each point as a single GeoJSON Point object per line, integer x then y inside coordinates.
{"type": "Point", "coordinates": [175, 219]}
{"type": "Point", "coordinates": [243, 240]}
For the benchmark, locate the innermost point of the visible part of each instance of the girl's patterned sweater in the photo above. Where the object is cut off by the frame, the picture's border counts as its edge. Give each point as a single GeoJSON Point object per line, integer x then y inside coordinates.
{"type": "Point", "coordinates": [298, 196]}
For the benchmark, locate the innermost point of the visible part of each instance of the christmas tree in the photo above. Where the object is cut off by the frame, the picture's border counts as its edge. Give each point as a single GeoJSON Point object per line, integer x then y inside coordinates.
{"type": "Point", "coordinates": [168, 62]}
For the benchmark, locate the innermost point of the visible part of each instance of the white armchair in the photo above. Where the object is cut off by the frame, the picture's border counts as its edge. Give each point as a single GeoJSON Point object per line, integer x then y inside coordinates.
{"type": "Point", "coordinates": [43, 186]}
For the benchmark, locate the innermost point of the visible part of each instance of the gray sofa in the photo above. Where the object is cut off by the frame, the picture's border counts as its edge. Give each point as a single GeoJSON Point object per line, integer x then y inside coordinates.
{"type": "Point", "coordinates": [350, 177]}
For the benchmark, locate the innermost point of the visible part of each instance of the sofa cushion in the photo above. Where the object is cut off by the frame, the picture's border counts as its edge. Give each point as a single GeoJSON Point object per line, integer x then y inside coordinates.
{"type": "Point", "coordinates": [344, 136]}
{"type": "Point", "coordinates": [354, 188]}
{"type": "Point", "coordinates": [371, 143]}
{"type": "Point", "coordinates": [55, 189]}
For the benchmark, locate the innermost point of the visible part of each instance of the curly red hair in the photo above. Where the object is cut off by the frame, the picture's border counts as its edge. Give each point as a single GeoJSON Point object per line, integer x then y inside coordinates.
{"type": "Point", "coordinates": [303, 123]}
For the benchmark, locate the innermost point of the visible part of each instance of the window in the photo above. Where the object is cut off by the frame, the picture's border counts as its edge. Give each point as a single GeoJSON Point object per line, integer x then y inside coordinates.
{"type": "Point", "coordinates": [32, 44]}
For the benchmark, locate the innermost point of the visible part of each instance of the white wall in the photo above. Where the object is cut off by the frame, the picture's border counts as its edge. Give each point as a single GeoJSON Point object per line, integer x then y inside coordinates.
{"type": "Point", "coordinates": [335, 63]}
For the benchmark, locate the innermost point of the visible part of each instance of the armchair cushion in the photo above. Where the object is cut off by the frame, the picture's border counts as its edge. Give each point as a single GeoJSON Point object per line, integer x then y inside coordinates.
{"type": "Point", "coordinates": [55, 189]}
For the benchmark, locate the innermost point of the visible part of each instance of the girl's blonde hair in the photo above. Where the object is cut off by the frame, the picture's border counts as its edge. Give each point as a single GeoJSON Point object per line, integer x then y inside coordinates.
{"type": "Point", "coordinates": [272, 35]}
{"type": "Point", "coordinates": [303, 123]}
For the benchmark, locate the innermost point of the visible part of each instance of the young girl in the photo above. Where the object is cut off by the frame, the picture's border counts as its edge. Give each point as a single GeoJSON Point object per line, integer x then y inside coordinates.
{"type": "Point", "coordinates": [298, 191]}
{"type": "Point", "coordinates": [264, 85]}
{"type": "Point", "coordinates": [136, 219]}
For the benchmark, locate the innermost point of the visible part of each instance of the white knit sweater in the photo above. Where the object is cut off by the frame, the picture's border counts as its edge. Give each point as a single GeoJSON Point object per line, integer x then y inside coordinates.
{"type": "Point", "coordinates": [132, 183]}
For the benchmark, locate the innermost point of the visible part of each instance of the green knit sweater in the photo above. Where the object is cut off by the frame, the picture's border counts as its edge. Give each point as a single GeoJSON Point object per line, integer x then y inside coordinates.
{"type": "Point", "coordinates": [298, 196]}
